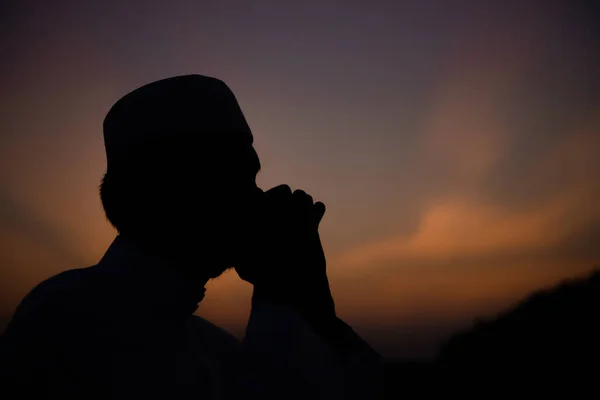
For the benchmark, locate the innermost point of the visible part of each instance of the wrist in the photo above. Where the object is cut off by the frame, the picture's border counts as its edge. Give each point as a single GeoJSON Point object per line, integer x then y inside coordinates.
{"type": "Point", "coordinates": [315, 305]}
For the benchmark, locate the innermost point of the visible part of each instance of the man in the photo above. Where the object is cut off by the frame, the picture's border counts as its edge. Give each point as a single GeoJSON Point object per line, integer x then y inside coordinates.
{"type": "Point", "coordinates": [180, 189]}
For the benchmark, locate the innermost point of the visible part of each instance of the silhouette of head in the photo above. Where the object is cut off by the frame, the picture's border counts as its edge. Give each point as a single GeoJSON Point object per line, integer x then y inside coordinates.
{"type": "Point", "coordinates": [181, 170]}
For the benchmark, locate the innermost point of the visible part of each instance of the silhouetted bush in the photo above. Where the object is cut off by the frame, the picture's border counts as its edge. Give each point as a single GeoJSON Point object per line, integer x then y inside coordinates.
{"type": "Point", "coordinates": [555, 330]}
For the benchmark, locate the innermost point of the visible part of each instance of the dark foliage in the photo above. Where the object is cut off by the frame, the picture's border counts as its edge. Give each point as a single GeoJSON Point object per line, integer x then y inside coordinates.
{"type": "Point", "coordinates": [557, 328]}
{"type": "Point", "coordinates": [548, 340]}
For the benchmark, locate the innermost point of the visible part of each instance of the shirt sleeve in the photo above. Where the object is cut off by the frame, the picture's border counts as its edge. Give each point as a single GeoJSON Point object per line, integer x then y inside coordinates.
{"type": "Point", "coordinates": [285, 358]}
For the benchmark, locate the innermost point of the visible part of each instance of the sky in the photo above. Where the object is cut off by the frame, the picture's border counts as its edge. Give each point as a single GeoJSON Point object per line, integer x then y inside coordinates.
{"type": "Point", "coordinates": [455, 143]}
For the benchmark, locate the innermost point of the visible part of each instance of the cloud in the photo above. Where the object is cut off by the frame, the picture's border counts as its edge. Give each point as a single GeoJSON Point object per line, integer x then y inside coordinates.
{"type": "Point", "coordinates": [467, 226]}
{"type": "Point", "coordinates": [475, 249]}
{"type": "Point", "coordinates": [459, 229]}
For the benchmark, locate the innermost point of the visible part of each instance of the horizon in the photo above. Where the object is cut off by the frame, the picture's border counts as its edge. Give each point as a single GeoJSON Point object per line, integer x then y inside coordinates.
{"type": "Point", "coordinates": [455, 146]}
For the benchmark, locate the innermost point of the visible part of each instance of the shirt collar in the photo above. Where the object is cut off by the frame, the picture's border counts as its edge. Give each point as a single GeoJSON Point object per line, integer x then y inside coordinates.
{"type": "Point", "coordinates": [159, 286]}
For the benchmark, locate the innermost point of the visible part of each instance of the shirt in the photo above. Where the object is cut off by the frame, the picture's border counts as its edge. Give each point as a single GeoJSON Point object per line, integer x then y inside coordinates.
{"type": "Point", "coordinates": [125, 329]}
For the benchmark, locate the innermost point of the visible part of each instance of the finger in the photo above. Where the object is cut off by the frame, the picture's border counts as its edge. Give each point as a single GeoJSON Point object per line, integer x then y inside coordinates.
{"type": "Point", "coordinates": [279, 202]}
{"type": "Point", "coordinates": [319, 210]}
{"type": "Point", "coordinates": [303, 208]}
{"type": "Point", "coordinates": [279, 191]}
{"type": "Point", "coordinates": [279, 195]}
{"type": "Point", "coordinates": [303, 200]}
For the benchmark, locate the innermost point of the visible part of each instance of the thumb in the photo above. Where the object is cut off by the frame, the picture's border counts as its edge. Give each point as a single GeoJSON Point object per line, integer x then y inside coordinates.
{"type": "Point", "coordinates": [319, 210]}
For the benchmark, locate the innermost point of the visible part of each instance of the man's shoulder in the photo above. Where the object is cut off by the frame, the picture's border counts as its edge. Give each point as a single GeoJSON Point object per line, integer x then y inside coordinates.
{"type": "Point", "coordinates": [61, 291]}
{"type": "Point", "coordinates": [50, 304]}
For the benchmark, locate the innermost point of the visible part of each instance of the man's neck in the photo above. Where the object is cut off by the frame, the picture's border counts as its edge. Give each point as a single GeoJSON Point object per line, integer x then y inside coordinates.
{"type": "Point", "coordinates": [169, 268]}
{"type": "Point", "coordinates": [150, 282]}
{"type": "Point", "coordinates": [175, 258]}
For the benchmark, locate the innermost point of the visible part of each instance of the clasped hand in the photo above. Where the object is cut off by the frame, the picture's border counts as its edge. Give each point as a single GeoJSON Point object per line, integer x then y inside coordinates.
{"type": "Point", "coordinates": [283, 256]}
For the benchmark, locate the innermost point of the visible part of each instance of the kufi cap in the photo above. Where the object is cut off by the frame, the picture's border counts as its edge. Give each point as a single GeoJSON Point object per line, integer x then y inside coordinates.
{"type": "Point", "coordinates": [188, 104]}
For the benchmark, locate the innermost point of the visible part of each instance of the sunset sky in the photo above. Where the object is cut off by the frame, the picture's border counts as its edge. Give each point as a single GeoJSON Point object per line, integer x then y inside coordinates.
{"type": "Point", "coordinates": [456, 144]}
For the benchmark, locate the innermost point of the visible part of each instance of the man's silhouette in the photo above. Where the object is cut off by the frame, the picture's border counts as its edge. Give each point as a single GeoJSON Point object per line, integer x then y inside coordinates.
{"type": "Point", "coordinates": [180, 189]}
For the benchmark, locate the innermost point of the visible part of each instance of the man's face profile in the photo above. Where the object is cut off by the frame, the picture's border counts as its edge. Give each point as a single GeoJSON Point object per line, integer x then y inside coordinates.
{"type": "Point", "coordinates": [212, 191]}
{"type": "Point", "coordinates": [181, 167]}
